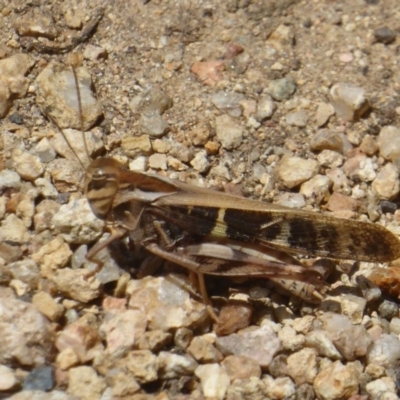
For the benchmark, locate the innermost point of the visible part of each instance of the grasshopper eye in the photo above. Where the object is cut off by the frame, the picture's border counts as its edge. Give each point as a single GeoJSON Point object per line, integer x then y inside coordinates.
{"type": "Point", "coordinates": [99, 175]}
{"type": "Point", "coordinates": [98, 180]}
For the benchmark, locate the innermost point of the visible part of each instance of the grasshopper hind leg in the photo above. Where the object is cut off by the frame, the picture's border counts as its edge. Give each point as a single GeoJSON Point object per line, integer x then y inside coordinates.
{"type": "Point", "coordinates": [192, 266]}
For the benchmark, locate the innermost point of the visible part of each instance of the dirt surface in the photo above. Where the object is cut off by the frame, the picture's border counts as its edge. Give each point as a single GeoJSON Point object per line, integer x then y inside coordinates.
{"type": "Point", "coordinates": [155, 45]}
{"type": "Point", "coordinates": [163, 47]}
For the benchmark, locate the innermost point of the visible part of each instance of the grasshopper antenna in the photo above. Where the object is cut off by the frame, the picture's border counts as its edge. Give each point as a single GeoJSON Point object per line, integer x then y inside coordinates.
{"type": "Point", "coordinates": [78, 93]}
{"type": "Point", "coordinates": [80, 122]}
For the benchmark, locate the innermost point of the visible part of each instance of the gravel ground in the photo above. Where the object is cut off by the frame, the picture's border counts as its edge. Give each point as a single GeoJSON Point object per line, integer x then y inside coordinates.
{"type": "Point", "coordinates": [290, 102]}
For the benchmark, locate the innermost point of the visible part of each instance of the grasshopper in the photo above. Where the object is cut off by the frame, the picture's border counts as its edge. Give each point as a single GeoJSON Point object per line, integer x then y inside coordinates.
{"type": "Point", "coordinates": [215, 233]}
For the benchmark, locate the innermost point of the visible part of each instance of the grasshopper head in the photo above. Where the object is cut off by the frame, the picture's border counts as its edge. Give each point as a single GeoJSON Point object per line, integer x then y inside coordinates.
{"type": "Point", "coordinates": [102, 180]}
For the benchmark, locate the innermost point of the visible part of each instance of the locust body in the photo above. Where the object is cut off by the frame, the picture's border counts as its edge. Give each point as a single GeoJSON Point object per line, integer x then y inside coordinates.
{"type": "Point", "coordinates": [211, 232]}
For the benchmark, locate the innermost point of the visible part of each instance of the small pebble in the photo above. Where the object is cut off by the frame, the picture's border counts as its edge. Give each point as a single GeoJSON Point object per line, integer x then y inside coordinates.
{"type": "Point", "coordinates": [166, 304]}
{"type": "Point", "coordinates": [183, 337]}
{"type": "Point", "coordinates": [36, 23]}
{"type": "Point", "coordinates": [386, 184]}
{"type": "Point", "coordinates": [200, 162]}
{"type": "Point", "coordinates": [47, 190]}
{"type": "Point", "coordinates": [340, 182]}
{"type": "Point", "coordinates": [265, 108]}
{"type": "Point", "coordinates": [85, 383]}
{"type": "Point", "coordinates": [182, 153]}
{"type": "Point", "coordinates": [214, 380]}
{"type": "Point", "coordinates": [122, 330]}
{"type": "Point", "coordinates": [368, 145]}
{"type": "Point", "coordinates": [28, 166]}
{"type": "Point", "coordinates": [388, 207]}
{"type": "Point", "coordinates": [317, 188]}
{"type": "Point", "coordinates": [80, 336]}
{"type": "Point", "coordinates": [138, 145]}
{"type": "Point", "coordinates": [13, 230]}
{"type": "Point", "coordinates": [232, 50]}
{"type": "Point", "coordinates": [45, 212]}
{"type": "Point", "coordinates": [67, 359]}
{"type": "Point", "coordinates": [77, 222]}
{"type": "Point", "coordinates": [203, 351]}
{"type": "Point", "coordinates": [279, 388]}
{"type": "Point", "coordinates": [387, 279]}
{"type": "Point", "coordinates": [158, 161]}
{"type": "Point", "coordinates": [16, 118]}
{"type": "Point", "coordinates": [337, 381]}
{"type": "Point", "coordinates": [291, 341]}
{"type": "Point", "coordinates": [251, 388]}
{"type": "Point", "coordinates": [346, 57]}
{"type": "Point", "coordinates": [302, 366]}
{"type": "Point", "coordinates": [385, 351]}
{"type": "Point", "coordinates": [57, 98]}
{"type": "Point", "coordinates": [48, 306]}
{"type": "Point", "coordinates": [8, 379]}
{"type": "Point", "coordinates": [327, 140]}
{"type": "Point", "coordinates": [9, 179]}
{"type": "Point", "coordinates": [360, 168]}
{"type": "Point", "coordinates": [293, 171]}
{"type": "Point", "coordinates": [281, 89]}
{"type": "Point", "coordinates": [51, 256]}
{"type": "Point", "coordinates": [379, 388]}
{"type": "Point", "coordinates": [13, 81]}
{"type": "Point", "coordinates": [261, 344]}
{"type": "Point", "coordinates": [29, 334]}
{"type": "Point", "coordinates": [278, 366]}
{"type": "Point", "coordinates": [228, 103]}
{"type": "Point", "coordinates": [353, 307]}
{"type": "Point", "coordinates": [153, 125]}
{"type": "Point", "coordinates": [173, 366]}
{"type": "Point", "coordinates": [320, 340]}
{"type": "Point", "coordinates": [282, 36]}
{"type": "Point", "coordinates": [324, 112]}
{"type": "Point", "coordinates": [330, 159]}
{"type": "Point", "coordinates": [75, 138]}
{"type": "Point", "coordinates": [389, 143]}
{"type": "Point", "coordinates": [154, 101]}
{"type": "Point", "coordinates": [291, 200]}
{"type": "Point", "coordinates": [384, 35]}
{"type": "Point", "coordinates": [199, 135]}
{"type": "Point", "coordinates": [241, 367]}
{"type": "Point", "coordinates": [72, 283]}
{"type": "Point", "coordinates": [228, 132]}
{"type": "Point", "coordinates": [45, 151]}
{"type": "Point", "coordinates": [143, 365]}
{"type": "Point", "coordinates": [40, 378]}
{"type": "Point", "coordinates": [26, 271]}
{"type": "Point", "coordinates": [352, 342]}
{"type": "Point", "coordinates": [221, 171]}
{"type": "Point", "coordinates": [209, 72]}
{"type": "Point", "coordinates": [138, 164]}
{"type": "Point", "coordinates": [374, 371]}
{"type": "Point", "coordinates": [388, 309]}
{"type": "Point", "coordinates": [67, 175]}
{"type": "Point", "coordinates": [154, 340]}
{"type": "Point", "coordinates": [348, 101]}
{"type": "Point", "coordinates": [304, 324]}
{"type": "Point", "coordinates": [298, 118]}
{"type": "Point", "coordinates": [233, 317]}
{"type": "Point", "coordinates": [395, 324]}
{"type": "Point", "coordinates": [94, 53]}
{"type": "Point", "coordinates": [161, 146]}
